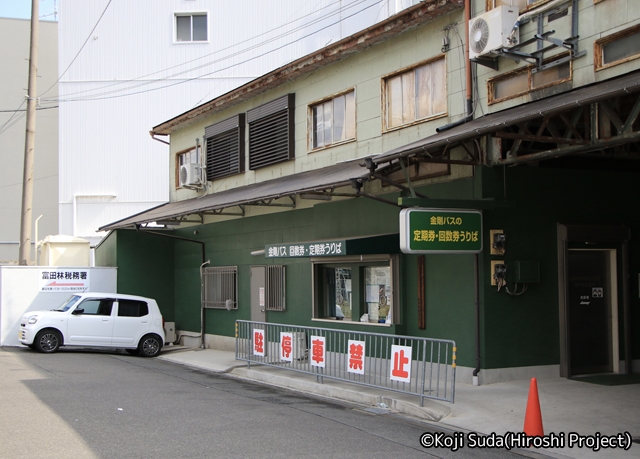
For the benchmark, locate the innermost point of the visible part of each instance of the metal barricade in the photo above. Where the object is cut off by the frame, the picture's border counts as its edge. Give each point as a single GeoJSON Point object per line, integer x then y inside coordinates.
{"type": "Point", "coordinates": [421, 366]}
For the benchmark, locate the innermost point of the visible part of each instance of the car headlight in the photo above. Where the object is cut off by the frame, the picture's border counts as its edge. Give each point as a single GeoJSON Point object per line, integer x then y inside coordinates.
{"type": "Point", "coordinates": [32, 320]}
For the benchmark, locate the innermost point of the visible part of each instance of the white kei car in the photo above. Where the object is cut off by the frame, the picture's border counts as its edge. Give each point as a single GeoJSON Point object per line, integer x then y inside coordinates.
{"type": "Point", "coordinates": [107, 320]}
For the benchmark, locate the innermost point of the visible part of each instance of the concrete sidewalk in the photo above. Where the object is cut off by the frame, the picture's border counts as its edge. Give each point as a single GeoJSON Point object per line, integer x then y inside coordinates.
{"type": "Point", "coordinates": [566, 405]}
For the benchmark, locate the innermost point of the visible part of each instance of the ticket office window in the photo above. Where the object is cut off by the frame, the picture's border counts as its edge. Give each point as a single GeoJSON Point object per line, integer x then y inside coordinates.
{"type": "Point", "coordinates": [354, 290]}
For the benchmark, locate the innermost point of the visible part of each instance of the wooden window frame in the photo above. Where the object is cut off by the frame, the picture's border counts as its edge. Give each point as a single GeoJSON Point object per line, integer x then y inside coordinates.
{"type": "Point", "coordinates": [490, 4]}
{"type": "Point", "coordinates": [412, 68]}
{"type": "Point", "coordinates": [311, 131]}
{"type": "Point", "coordinates": [528, 69]}
{"type": "Point", "coordinates": [598, 45]}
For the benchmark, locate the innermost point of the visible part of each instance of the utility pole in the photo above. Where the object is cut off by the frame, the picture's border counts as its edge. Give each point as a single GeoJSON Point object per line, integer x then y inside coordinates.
{"type": "Point", "coordinates": [29, 141]}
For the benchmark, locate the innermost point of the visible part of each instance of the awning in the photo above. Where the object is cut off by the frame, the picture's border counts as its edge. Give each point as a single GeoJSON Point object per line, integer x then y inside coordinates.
{"type": "Point", "coordinates": [584, 96]}
{"type": "Point", "coordinates": [316, 180]}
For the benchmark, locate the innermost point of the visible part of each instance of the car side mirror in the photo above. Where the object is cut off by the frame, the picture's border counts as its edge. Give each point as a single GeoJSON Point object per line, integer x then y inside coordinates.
{"type": "Point", "coordinates": [77, 311]}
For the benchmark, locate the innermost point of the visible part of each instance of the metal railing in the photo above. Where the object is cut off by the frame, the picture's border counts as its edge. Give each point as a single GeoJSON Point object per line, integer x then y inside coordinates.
{"type": "Point", "coordinates": [421, 366]}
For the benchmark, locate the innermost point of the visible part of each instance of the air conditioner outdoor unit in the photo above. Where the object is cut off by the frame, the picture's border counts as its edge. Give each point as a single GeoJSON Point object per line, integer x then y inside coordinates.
{"type": "Point", "coordinates": [493, 30]}
{"type": "Point", "coordinates": [191, 175]}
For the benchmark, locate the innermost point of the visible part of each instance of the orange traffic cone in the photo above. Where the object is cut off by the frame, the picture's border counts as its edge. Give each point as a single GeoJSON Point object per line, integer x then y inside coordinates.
{"type": "Point", "coordinates": [533, 416]}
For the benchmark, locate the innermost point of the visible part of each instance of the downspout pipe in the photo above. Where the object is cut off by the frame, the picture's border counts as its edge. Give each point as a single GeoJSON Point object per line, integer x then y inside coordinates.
{"type": "Point", "coordinates": [469, 117]}
{"type": "Point", "coordinates": [202, 346]}
{"type": "Point", "coordinates": [476, 370]}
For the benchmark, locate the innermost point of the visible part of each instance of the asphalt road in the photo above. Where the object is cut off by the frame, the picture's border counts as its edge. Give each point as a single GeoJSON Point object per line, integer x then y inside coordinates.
{"type": "Point", "coordinates": [95, 404]}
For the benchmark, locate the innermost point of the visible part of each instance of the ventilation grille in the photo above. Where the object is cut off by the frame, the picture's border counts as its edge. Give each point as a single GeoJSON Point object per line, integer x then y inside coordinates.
{"type": "Point", "coordinates": [479, 35]}
{"type": "Point", "coordinates": [275, 291]}
{"type": "Point", "coordinates": [271, 132]}
{"type": "Point", "coordinates": [220, 287]}
{"type": "Point", "coordinates": [225, 148]}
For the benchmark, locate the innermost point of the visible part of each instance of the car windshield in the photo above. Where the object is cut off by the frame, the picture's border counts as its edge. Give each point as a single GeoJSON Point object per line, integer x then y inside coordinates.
{"type": "Point", "coordinates": [73, 299]}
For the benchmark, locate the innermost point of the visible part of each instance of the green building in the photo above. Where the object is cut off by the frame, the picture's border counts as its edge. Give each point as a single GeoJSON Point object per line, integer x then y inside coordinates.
{"type": "Point", "coordinates": [387, 184]}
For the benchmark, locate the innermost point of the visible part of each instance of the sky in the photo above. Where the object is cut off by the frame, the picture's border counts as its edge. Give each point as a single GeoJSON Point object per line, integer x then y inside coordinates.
{"type": "Point", "coordinates": [21, 9]}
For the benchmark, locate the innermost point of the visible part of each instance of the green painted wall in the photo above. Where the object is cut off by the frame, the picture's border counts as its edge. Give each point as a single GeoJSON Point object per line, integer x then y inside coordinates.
{"type": "Point", "coordinates": [514, 330]}
{"type": "Point", "coordinates": [145, 266]}
{"type": "Point", "coordinates": [525, 330]}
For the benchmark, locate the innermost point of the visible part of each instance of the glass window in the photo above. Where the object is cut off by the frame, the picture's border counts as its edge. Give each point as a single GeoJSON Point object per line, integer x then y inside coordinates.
{"type": "Point", "coordinates": [354, 290]}
{"type": "Point", "coordinates": [132, 308]}
{"type": "Point", "coordinates": [508, 87]}
{"type": "Point", "coordinates": [378, 292]}
{"type": "Point", "coordinates": [416, 95]}
{"type": "Point", "coordinates": [96, 307]}
{"type": "Point", "coordinates": [191, 27]}
{"type": "Point", "coordinates": [618, 48]}
{"type": "Point", "coordinates": [333, 120]}
{"type": "Point", "coordinates": [550, 76]}
{"type": "Point", "coordinates": [522, 5]}
{"type": "Point", "coordinates": [525, 80]}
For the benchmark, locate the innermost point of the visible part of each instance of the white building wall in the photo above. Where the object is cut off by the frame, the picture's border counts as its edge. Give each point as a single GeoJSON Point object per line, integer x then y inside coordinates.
{"type": "Point", "coordinates": [122, 73]}
{"type": "Point", "coordinates": [15, 36]}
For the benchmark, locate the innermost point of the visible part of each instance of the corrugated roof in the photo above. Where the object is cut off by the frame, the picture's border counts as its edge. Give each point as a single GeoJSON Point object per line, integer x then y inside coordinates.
{"type": "Point", "coordinates": [315, 180]}
{"type": "Point", "coordinates": [629, 83]}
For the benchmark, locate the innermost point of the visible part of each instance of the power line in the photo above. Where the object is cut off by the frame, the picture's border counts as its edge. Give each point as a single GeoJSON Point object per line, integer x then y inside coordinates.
{"type": "Point", "coordinates": [80, 50]}
{"type": "Point", "coordinates": [105, 95]}
{"type": "Point", "coordinates": [228, 48]}
{"type": "Point", "coordinates": [15, 112]}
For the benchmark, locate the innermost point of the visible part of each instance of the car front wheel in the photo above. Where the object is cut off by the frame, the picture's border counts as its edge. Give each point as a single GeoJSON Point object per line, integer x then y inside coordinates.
{"type": "Point", "coordinates": [149, 346]}
{"type": "Point", "coordinates": [47, 341]}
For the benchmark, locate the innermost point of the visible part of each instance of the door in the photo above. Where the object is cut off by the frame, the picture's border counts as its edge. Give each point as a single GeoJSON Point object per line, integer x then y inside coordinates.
{"type": "Point", "coordinates": [94, 325]}
{"type": "Point", "coordinates": [590, 277]}
{"type": "Point", "coordinates": [258, 278]}
{"type": "Point", "coordinates": [131, 321]}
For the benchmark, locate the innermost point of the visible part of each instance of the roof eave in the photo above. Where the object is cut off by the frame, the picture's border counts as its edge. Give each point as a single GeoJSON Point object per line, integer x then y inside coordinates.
{"type": "Point", "coordinates": [405, 20]}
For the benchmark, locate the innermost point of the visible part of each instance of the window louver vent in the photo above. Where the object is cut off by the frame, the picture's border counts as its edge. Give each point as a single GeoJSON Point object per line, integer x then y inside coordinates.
{"type": "Point", "coordinates": [271, 132]}
{"type": "Point", "coordinates": [225, 148]}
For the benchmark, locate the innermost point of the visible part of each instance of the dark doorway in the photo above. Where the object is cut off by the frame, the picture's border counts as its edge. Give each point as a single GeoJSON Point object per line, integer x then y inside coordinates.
{"type": "Point", "coordinates": [589, 311]}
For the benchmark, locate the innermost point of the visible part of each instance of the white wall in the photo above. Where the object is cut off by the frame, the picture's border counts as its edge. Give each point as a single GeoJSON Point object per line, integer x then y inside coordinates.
{"type": "Point", "coordinates": [14, 55]}
{"type": "Point", "coordinates": [20, 292]}
{"type": "Point", "coordinates": [130, 76]}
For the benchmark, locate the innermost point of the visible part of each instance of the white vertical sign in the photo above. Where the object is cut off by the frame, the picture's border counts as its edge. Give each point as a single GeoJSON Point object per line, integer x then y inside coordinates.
{"type": "Point", "coordinates": [258, 342]}
{"type": "Point", "coordinates": [355, 350]}
{"type": "Point", "coordinates": [400, 363]}
{"type": "Point", "coordinates": [286, 346]}
{"type": "Point", "coordinates": [318, 351]}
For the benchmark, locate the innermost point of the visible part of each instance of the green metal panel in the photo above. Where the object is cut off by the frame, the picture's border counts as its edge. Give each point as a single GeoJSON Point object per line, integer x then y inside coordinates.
{"type": "Point", "coordinates": [145, 267]}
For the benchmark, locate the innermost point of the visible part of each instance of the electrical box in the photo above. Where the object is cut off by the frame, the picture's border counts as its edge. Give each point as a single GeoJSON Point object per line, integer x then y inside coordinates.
{"type": "Point", "coordinates": [496, 242]}
{"type": "Point", "coordinates": [525, 272]}
{"type": "Point", "coordinates": [498, 270]}
{"type": "Point", "coordinates": [169, 332]}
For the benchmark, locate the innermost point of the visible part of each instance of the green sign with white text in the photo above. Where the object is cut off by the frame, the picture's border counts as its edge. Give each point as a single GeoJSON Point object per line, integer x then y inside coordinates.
{"type": "Point", "coordinates": [440, 231]}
